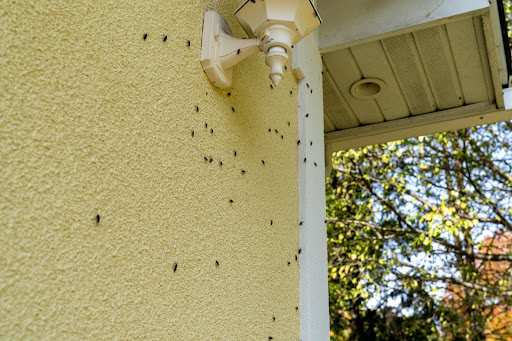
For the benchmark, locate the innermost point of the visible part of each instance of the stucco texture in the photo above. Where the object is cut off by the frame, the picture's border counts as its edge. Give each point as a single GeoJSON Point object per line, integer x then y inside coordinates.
{"type": "Point", "coordinates": [96, 124]}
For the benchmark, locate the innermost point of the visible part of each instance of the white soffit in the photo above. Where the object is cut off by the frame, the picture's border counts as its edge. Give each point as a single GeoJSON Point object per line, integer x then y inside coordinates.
{"type": "Point", "coordinates": [442, 67]}
{"type": "Point", "coordinates": [348, 21]}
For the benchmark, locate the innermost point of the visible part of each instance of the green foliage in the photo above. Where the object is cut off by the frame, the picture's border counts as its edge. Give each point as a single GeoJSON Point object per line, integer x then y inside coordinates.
{"type": "Point", "coordinates": [410, 217]}
{"type": "Point", "coordinates": [507, 6]}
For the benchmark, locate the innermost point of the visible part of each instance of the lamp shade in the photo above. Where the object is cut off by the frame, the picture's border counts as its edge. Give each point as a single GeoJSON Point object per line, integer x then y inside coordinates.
{"type": "Point", "coordinates": [300, 16]}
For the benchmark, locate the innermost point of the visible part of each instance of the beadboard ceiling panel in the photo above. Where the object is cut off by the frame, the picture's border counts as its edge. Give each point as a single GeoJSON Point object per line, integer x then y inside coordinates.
{"type": "Point", "coordinates": [424, 71]}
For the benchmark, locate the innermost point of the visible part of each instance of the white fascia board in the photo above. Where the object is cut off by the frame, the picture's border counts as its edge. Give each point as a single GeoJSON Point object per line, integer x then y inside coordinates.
{"type": "Point", "coordinates": [507, 98]}
{"type": "Point", "coordinates": [447, 120]}
{"type": "Point", "coordinates": [314, 293]}
{"type": "Point", "coordinates": [346, 22]}
{"type": "Point", "coordinates": [498, 42]}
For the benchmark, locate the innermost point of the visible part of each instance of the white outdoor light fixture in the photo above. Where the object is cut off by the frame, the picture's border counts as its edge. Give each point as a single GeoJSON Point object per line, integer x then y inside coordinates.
{"type": "Point", "coordinates": [273, 27]}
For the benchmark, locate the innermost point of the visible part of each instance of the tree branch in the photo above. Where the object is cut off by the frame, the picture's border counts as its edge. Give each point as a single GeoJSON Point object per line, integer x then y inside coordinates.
{"type": "Point", "coordinates": [483, 256]}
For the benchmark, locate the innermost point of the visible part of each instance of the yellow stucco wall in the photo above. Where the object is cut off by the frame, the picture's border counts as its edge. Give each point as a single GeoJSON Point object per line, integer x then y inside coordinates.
{"type": "Point", "coordinates": [95, 120]}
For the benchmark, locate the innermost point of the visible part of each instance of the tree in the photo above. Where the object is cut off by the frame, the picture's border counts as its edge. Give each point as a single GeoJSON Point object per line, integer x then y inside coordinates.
{"type": "Point", "coordinates": [497, 311]}
{"type": "Point", "coordinates": [413, 216]}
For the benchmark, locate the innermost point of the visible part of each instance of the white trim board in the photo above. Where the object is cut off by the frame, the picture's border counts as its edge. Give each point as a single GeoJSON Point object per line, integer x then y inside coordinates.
{"type": "Point", "coordinates": [314, 293]}
{"type": "Point", "coordinates": [348, 22]}
{"type": "Point", "coordinates": [446, 120]}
